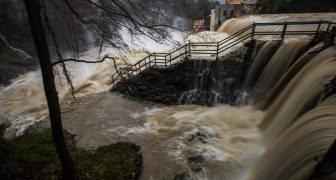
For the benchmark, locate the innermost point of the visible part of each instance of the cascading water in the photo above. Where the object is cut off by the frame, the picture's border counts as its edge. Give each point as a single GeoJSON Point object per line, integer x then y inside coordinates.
{"type": "Point", "coordinates": [296, 67]}
{"type": "Point", "coordinates": [279, 63]}
{"type": "Point", "coordinates": [217, 82]}
{"type": "Point", "coordinates": [294, 154]}
{"type": "Point", "coordinates": [291, 103]}
{"type": "Point", "coordinates": [259, 63]}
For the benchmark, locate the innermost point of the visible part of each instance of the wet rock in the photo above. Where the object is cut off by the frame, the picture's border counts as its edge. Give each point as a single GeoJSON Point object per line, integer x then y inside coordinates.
{"type": "Point", "coordinates": [199, 136]}
{"type": "Point", "coordinates": [38, 127]}
{"type": "Point", "coordinates": [196, 159]}
{"type": "Point", "coordinates": [183, 176]}
{"type": "Point", "coordinates": [196, 169]}
{"type": "Point", "coordinates": [3, 126]}
{"type": "Point", "coordinates": [171, 85]}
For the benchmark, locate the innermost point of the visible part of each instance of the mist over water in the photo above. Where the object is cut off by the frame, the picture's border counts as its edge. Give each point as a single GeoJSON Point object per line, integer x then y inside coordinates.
{"type": "Point", "coordinates": [23, 102]}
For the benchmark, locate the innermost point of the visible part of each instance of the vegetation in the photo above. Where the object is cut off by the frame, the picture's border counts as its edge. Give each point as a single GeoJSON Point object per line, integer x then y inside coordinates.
{"type": "Point", "coordinates": [297, 6]}
{"type": "Point", "coordinates": [33, 156]}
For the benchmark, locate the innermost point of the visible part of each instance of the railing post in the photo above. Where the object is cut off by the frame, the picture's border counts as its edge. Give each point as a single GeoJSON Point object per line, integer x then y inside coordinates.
{"type": "Point", "coordinates": [170, 59]}
{"type": "Point", "coordinates": [329, 25]}
{"type": "Point", "coordinates": [284, 31]}
{"type": "Point", "coordinates": [189, 49]}
{"type": "Point", "coordinates": [217, 51]}
{"type": "Point", "coordinates": [155, 59]}
{"type": "Point", "coordinates": [149, 59]}
{"type": "Point", "coordinates": [317, 31]}
{"type": "Point", "coordinates": [333, 34]}
{"type": "Point", "coordinates": [113, 79]}
{"type": "Point", "coordinates": [185, 51]}
{"type": "Point", "coordinates": [253, 31]}
{"type": "Point", "coordinates": [165, 61]}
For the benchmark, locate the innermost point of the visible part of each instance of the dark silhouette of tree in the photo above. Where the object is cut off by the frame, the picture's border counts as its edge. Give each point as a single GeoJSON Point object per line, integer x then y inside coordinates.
{"type": "Point", "coordinates": [34, 14]}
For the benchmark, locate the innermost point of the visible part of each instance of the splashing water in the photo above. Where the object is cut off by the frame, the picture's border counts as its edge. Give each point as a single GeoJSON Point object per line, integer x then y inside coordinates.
{"type": "Point", "coordinates": [293, 155]}
{"type": "Point", "coordinates": [211, 141]}
{"type": "Point", "coordinates": [23, 103]}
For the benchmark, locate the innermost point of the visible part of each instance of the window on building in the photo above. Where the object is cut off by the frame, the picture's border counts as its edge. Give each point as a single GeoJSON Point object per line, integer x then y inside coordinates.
{"type": "Point", "coordinates": [232, 13]}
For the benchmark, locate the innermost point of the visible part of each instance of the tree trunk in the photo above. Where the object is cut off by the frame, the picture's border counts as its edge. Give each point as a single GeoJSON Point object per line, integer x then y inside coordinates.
{"type": "Point", "coordinates": [34, 14]}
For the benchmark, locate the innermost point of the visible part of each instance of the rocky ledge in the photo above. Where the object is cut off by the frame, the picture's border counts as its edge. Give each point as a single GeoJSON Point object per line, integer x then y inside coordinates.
{"type": "Point", "coordinates": [202, 82]}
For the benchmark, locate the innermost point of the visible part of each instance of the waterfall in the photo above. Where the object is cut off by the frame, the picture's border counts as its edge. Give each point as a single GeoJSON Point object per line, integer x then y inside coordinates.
{"type": "Point", "coordinates": [259, 63]}
{"type": "Point", "coordinates": [295, 68]}
{"type": "Point", "coordinates": [299, 94]}
{"type": "Point", "coordinates": [217, 82]}
{"type": "Point", "coordinates": [294, 154]}
{"type": "Point", "coordinates": [278, 64]}
{"type": "Point", "coordinates": [24, 55]}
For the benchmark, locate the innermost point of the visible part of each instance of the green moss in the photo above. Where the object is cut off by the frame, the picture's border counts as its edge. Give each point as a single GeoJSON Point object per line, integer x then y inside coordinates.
{"type": "Point", "coordinates": [33, 156]}
{"type": "Point", "coordinates": [136, 99]}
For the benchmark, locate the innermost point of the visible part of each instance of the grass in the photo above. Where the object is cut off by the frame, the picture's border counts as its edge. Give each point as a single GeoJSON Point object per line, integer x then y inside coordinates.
{"type": "Point", "coordinates": [33, 156]}
{"type": "Point", "coordinates": [136, 99]}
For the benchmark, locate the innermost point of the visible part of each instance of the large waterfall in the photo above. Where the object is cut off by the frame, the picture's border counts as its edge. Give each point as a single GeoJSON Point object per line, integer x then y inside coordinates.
{"type": "Point", "coordinates": [293, 154]}
{"type": "Point", "coordinates": [285, 129]}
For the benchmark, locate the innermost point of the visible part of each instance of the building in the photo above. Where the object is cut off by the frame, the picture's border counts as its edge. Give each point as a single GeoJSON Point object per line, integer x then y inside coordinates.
{"type": "Point", "coordinates": [250, 6]}
{"type": "Point", "coordinates": [231, 9]}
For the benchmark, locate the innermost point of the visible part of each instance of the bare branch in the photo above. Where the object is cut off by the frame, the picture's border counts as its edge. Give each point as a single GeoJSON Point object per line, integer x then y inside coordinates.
{"type": "Point", "coordinates": [82, 61]}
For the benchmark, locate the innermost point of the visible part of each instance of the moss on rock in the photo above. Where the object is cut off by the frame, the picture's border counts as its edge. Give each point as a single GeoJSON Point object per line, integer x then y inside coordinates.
{"type": "Point", "coordinates": [33, 156]}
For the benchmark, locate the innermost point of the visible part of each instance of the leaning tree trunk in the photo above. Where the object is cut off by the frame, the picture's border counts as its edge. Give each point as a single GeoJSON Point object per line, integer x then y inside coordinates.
{"type": "Point", "coordinates": [34, 14]}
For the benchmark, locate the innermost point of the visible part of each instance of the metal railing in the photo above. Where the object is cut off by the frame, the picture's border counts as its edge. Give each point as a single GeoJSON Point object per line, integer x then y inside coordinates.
{"type": "Point", "coordinates": [214, 49]}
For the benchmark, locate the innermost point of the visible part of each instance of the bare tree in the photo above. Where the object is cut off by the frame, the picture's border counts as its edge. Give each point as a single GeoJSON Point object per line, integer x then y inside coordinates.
{"type": "Point", "coordinates": [101, 17]}
{"type": "Point", "coordinates": [34, 14]}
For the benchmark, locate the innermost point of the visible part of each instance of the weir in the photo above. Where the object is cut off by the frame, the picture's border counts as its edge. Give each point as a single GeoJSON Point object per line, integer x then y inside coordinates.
{"type": "Point", "coordinates": [208, 50]}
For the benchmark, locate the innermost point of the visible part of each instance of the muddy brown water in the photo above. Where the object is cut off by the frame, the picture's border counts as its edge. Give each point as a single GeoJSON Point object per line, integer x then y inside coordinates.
{"type": "Point", "coordinates": [168, 136]}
